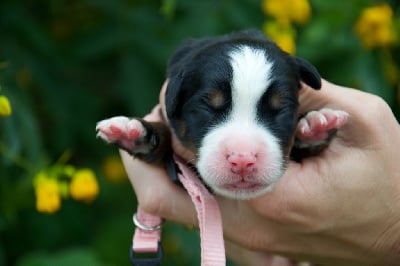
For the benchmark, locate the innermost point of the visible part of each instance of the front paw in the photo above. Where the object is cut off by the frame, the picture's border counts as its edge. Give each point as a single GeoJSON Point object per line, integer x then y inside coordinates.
{"type": "Point", "coordinates": [318, 125]}
{"type": "Point", "coordinates": [128, 134]}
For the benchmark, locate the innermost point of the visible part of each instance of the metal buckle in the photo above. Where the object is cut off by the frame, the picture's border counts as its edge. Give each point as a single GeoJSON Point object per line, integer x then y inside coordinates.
{"type": "Point", "coordinates": [146, 261]}
{"type": "Point", "coordinates": [143, 227]}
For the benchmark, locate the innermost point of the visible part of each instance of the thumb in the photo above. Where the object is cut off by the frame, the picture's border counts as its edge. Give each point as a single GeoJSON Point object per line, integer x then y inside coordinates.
{"type": "Point", "coordinates": [311, 99]}
{"type": "Point", "coordinates": [363, 108]}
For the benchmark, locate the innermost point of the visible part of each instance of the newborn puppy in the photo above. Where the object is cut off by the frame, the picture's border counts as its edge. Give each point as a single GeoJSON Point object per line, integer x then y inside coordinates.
{"type": "Point", "coordinates": [233, 102]}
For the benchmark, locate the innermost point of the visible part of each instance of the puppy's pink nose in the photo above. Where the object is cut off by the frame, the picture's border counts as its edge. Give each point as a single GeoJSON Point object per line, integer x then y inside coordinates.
{"type": "Point", "coordinates": [242, 163]}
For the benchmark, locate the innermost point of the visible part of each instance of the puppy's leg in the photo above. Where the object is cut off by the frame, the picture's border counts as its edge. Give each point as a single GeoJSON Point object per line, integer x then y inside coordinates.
{"type": "Point", "coordinates": [315, 130]}
{"type": "Point", "coordinates": [149, 141]}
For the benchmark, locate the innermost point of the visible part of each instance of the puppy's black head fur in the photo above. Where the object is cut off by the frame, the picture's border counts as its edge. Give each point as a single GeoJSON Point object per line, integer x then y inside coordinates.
{"type": "Point", "coordinates": [199, 93]}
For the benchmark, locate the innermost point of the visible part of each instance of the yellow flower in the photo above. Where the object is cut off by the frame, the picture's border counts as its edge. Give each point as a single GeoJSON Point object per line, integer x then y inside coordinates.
{"type": "Point", "coordinates": [375, 26]}
{"type": "Point", "coordinates": [113, 169]}
{"type": "Point", "coordinates": [287, 11]}
{"type": "Point", "coordinates": [84, 185]}
{"type": "Point", "coordinates": [47, 195]}
{"type": "Point", "coordinates": [284, 36]}
{"type": "Point", "coordinates": [5, 106]}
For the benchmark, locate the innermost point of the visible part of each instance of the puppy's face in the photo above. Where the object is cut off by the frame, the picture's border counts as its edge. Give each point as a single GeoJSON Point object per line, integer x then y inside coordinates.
{"type": "Point", "coordinates": [232, 101]}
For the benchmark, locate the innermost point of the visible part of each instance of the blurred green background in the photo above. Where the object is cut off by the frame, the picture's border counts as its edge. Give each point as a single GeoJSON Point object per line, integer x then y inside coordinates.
{"type": "Point", "coordinates": [65, 64]}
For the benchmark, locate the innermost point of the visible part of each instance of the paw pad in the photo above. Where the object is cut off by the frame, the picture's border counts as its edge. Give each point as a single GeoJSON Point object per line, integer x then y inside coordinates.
{"type": "Point", "coordinates": [120, 130]}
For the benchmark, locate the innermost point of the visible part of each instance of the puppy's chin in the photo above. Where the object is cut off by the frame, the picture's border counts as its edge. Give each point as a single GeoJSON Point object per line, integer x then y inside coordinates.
{"type": "Point", "coordinates": [242, 188]}
{"type": "Point", "coordinates": [245, 192]}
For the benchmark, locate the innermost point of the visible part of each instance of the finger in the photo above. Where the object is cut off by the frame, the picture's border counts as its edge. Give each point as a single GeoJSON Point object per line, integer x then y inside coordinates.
{"type": "Point", "coordinates": [363, 109]}
{"type": "Point", "coordinates": [156, 193]}
{"type": "Point", "coordinates": [330, 96]}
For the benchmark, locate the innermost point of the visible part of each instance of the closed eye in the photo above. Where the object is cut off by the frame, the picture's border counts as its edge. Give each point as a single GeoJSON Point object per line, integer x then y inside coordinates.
{"type": "Point", "coordinates": [276, 100]}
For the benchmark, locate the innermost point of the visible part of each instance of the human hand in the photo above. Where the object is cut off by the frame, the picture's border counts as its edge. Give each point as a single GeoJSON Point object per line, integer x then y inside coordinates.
{"type": "Point", "coordinates": [340, 207]}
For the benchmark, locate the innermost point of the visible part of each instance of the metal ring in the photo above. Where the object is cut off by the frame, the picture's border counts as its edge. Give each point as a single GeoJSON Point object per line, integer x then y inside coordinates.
{"type": "Point", "coordinates": [143, 227]}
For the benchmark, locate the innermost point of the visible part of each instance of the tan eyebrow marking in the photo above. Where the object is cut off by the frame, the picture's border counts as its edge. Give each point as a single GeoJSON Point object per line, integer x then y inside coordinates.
{"type": "Point", "coordinates": [216, 98]}
{"type": "Point", "coordinates": [276, 100]}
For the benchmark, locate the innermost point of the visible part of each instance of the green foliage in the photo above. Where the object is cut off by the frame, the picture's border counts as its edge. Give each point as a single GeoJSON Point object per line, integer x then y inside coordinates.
{"type": "Point", "coordinates": [65, 258]}
{"type": "Point", "coordinates": [64, 65]}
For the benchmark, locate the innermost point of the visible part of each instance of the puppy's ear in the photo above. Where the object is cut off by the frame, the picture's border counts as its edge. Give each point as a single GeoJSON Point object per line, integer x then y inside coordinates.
{"type": "Point", "coordinates": [308, 73]}
{"type": "Point", "coordinates": [172, 95]}
{"type": "Point", "coordinates": [175, 72]}
{"type": "Point", "coordinates": [180, 63]}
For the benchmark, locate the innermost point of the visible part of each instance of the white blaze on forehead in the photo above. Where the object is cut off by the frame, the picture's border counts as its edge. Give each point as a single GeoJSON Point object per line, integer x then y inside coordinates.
{"type": "Point", "coordinates": [250, 79]}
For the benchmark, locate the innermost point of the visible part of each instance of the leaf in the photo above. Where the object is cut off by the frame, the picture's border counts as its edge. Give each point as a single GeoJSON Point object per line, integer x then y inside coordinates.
{"type": "Point", "coordinates": [168, 8]}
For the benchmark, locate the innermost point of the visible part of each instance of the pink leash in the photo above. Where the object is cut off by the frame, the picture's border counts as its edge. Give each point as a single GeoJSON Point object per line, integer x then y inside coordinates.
{"type": "Point", "coordinates": [209, 216]}
{"type": "Point", "coordinates": [148, 227]}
